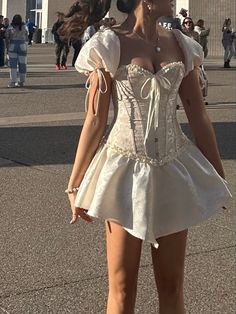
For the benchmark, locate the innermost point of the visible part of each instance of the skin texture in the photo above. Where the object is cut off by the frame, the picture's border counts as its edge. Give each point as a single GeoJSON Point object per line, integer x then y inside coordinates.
{"type": "Point", "coordinates": [124, 250]}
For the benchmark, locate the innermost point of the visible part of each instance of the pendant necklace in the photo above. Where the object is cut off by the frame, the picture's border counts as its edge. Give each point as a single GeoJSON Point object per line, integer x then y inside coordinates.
{"type": "Point", "coordinates": [156, 47]}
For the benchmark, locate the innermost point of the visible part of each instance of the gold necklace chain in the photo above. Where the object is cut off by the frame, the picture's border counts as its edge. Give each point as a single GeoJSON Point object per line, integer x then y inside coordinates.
{"type": "Point", "coordinates": [157, 48]}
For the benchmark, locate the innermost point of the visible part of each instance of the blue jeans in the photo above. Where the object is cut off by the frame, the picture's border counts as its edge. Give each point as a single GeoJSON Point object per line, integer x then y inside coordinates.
{"type": "Point", "coordinates": [17, 58]}
{"type": "Point", "coordinates": [229, 51]}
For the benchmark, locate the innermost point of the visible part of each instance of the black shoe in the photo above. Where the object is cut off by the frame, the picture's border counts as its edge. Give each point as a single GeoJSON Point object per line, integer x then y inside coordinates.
{"type": "Point", "coordinates": [226, 65]}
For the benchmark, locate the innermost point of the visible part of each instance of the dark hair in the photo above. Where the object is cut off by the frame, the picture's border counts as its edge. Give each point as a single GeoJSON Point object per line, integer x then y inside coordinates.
{"type": "Point", "coordinates": [200, 22]}
{"type": "Point", "coordinates": [186, 19]}
{"type": "Point", "coordinates": [82, 14]}
{"type": "Point", "coordinates": [17, 21]}
{"type": "Point", "coordinates": [126, 6]}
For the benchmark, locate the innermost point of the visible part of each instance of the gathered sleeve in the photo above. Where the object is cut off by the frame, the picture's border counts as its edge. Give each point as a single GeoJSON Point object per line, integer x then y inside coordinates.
{"type": "Point", "coordinates": [101, 51]}
{"type": "Point", "coordinates": [192, 50]}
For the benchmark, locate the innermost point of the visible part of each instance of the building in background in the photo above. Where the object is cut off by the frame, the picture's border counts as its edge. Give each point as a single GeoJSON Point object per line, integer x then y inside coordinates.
{"type": "Point", "coordinates": [43, 14]}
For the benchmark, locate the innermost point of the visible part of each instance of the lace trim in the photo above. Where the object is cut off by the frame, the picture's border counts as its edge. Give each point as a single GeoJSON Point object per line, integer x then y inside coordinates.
{"type": "Point", "coordinates": [147, 160]}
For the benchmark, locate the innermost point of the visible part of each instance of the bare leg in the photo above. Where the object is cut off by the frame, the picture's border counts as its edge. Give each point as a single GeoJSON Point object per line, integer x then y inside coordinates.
{"type": "Point", "coordinates": [123, 256]}
{"type": "Point", "coordinates": [168, 265]}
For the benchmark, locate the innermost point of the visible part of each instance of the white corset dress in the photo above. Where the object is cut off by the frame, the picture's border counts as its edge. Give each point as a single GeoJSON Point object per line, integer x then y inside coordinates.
{"type": "Point", "coordinates": [146, 175]}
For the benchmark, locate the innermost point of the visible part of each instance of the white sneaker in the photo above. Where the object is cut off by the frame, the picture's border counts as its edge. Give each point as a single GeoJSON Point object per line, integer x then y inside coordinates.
{"type": "Point", "coordinates": [11, 85]}
{"type": "Point", "coordinates": [19, 84]}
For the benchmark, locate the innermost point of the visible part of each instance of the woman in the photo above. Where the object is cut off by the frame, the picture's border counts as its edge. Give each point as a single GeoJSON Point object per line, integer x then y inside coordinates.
{"type": "Point", "coordinates": [16, 37]}
{"type": "Point", "coordinates": [227, 42]}
{"type": "Point", "coordinates": [203, 34]}
{"type": "Point", "coordinates": [143, 176]}
{"type": "Point", "coordinates": [188, 29]}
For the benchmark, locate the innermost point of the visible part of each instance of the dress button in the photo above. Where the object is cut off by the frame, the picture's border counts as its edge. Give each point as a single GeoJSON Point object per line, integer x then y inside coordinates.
{"type": "Point", "coordinates": [156, 139]}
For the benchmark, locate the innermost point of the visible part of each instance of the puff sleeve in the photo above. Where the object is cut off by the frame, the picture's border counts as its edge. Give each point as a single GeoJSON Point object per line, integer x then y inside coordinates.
{"type": "Point", "coordinates": [192, 50]}
{"type": "Point", "coordinates": [101, 51]}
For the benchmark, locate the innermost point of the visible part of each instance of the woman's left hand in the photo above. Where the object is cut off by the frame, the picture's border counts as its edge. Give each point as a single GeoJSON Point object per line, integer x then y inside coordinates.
{"type": "Point", "coordinates": [76, 211]}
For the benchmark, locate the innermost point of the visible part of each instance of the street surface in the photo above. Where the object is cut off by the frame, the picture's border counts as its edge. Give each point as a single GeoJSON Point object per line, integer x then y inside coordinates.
{"type": "Point", "coordinates": [48, 266]}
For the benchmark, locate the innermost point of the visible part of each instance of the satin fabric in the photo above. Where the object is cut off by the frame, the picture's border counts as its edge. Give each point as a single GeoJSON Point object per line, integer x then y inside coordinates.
{"type": "Point", "coordinates": [146, 175]}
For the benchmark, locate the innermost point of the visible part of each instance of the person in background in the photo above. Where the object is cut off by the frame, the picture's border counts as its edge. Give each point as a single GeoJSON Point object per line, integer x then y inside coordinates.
{"type": "Point", "coordinates": [183, 13]}
{"type": "Point", "coordinates": [88, 33]}
{"type": "Point", "coordinates": [188, 29]}
{"type": "Point", "coordinates": [6, 24]}
{"type": "Point", "coordinates": [170, 22]}
{"type": "Point", "coordinates": [77, 45]}
{"type": "Point", "coordinates": [62, 47]}
{"type": "Point", "coordinates": [31, 29]}
{"type": "Point", "coordinates": [203, 35]}
{"type": "Point", "coordinates": [16, 37]}
{"type": "Point", "coordinates": [2, 44]}
{"type": "Point", "coordinates": [227, 42]}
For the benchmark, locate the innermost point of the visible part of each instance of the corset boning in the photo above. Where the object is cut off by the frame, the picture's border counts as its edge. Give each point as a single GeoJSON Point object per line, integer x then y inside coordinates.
{"type": "Point", "coordinates": [145, 126]}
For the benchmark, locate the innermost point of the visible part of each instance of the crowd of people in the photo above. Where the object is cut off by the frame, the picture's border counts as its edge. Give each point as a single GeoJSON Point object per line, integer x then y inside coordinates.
{"type": "Point", "coordinates": [14, 37]}
{"type": "Point", "coordinates": [200, 33]}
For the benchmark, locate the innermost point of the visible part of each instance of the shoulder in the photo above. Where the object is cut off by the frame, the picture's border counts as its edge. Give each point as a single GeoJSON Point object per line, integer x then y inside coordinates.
{"type": "Point", "coordinates": [192, 51]}
{"type": "Point", "coordinates": [101, 51]}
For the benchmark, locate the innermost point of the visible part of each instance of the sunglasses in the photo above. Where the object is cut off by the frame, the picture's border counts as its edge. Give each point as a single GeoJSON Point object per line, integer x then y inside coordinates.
{"type": "Point", "coordinates": [188, 22]}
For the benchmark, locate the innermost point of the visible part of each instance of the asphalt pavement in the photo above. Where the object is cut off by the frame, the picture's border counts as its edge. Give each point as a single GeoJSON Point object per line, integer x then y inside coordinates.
{"type": "Point", "coordinates": [48, 266]}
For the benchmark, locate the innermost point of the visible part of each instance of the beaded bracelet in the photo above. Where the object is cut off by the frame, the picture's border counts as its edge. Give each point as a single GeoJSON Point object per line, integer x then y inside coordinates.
{"type": "Point", "coordinates": [71, 191]}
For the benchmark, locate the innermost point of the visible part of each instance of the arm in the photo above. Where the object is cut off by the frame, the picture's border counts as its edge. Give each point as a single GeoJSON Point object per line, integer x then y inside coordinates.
{"type": "Point", "coordinates": [205, 33]}
{"type": "Point", "coordinates": [199, 121]}
{"type": "Point", "coordinates": [91, 135]}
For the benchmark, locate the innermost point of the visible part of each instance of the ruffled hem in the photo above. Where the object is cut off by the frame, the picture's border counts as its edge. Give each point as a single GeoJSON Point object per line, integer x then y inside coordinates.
{"type": "Point", "coordinates": [152, 201]}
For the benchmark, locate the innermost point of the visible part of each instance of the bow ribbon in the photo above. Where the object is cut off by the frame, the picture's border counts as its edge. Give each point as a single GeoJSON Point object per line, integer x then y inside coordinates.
{"type": "Point", "coordinates": [101, 80]}
{"type": "Point", "coordinates": [154, 95]}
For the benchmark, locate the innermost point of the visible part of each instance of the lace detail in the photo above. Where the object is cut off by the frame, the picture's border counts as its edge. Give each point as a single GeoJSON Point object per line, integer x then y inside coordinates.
{"type": "Point", "coordinates": [145, 159]}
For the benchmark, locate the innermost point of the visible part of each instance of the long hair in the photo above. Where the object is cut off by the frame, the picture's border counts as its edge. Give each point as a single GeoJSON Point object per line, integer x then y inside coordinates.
{"type": "Point", "coordinates": [188, 19]}
{"type": "Point", "coordinates": [82, 14]}
{"type": "Point", "coordinates": [17, 21]}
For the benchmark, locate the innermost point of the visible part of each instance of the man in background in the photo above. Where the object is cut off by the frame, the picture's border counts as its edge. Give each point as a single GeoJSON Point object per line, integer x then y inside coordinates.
{"type": "Point", "coordinates": [31, 29]}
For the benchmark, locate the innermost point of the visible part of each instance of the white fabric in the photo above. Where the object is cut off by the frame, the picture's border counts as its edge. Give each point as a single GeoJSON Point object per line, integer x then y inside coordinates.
{"type": "Point", "coordinates": [146, 175]}
{"type": "Point", "coordinates": [101, 51]}
{"type": "Point", "coordinates": [192, 50]}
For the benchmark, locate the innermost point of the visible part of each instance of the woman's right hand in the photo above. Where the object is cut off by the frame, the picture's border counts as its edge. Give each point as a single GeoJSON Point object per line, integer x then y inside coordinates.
{"type": "Point", "coordinates": [76, 211]}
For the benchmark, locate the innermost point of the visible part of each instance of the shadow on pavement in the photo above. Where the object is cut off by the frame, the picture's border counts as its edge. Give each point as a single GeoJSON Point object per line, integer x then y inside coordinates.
{"type": "Point", "coordinates": [39, 87]}
{"type": "Point", "coordinates": [57, 144]}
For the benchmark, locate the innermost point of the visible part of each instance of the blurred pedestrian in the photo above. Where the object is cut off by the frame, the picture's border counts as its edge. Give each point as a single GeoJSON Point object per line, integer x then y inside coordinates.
{"type": "Point", "coordinates": [77, 45]}
{"type": "Point", "coordinates": [203, 35]}
{"type": "Point", "coordinates": [16, 38]}
{"type": "Point", "coordinates": [183, 13]}
{"type": "Point", "coordinates": [31, 29]}
{"type": "Point", "coordinates": [6, 24]}
{"type": "Point", "coordinates": [188, 29]}
{"type": "Point", "coordinates": [62, 47]}
{"type": "Point", "coordinates": [227, 42]}
{"type": "Point", "coordinates": [2, 44]}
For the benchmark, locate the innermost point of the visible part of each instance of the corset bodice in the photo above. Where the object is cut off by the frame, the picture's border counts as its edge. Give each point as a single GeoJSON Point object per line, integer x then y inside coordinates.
{"type": "Point", "coordinates": [145, 123]}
